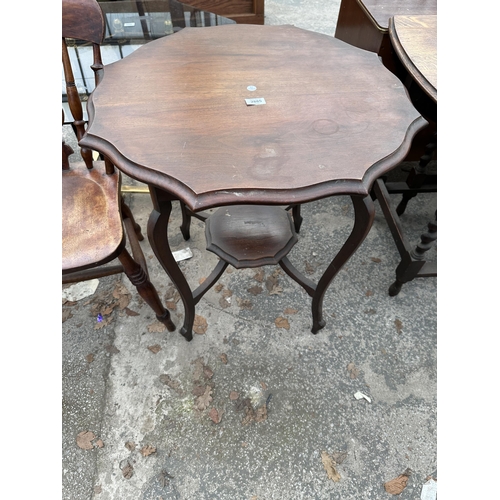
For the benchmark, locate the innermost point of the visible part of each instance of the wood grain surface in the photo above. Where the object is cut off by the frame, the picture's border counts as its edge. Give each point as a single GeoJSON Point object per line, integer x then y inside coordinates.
{"type": "Point", "coordinates": [415, 41]}
{"type": "Point", "coordinates": [173, 114]}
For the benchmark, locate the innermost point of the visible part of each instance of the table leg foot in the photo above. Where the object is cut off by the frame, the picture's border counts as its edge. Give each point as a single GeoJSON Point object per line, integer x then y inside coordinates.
{"type": "Point", "coordinates": [317, 326]}
{"type": "Point", "coordinates": [187, 334]}
{"type": "Point", "coordinates": [395, 288]}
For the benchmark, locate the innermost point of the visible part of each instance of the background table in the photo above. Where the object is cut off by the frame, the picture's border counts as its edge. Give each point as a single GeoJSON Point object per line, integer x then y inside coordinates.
{"type": "Point", "coordinates": [174, 115]}
{"type": "Point", "coordinates": [414, 39]}
{"type": "Point", "coordinates": [365, 24]}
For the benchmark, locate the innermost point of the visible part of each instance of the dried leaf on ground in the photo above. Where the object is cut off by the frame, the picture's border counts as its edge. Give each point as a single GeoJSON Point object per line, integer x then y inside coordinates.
{"type": "Point", "coordinates": [223, 358]}
{"type": "Point", "coordinates": [172, 294]}
{"type": "Point", "coordinates": [330, 466]}
{"type": "Point", "coordinates": [147, 450]}
{"type": "Point", "coordinates": [130, 445]}
{"type": "Point", "coordinates": [290, 310]}
{"type": "Point", "coordinates": [263, 385]}
{"type": "Point", "coordinates": [66, 314]}
{"type": "Point", "coordinates": [127, 468]}
{"type": "Point", "coordinates": [218, 288]}
{"type": "Point", "coordinates": [397, 485]}
{"type": "Point", "coordinates": [99, 443]}
{"type": "Point", "coordinates": [225, 302]}
{"type": "Point", "coordinates": [155, 349]}
{"type": "Point", "coordinates": [309, 269]}
{"type": "Point", "coordinates": [243, 404]}
{"type": "Point", "coordinates": [104, 322]}
{"type": "Point", "coordinates": [208, 372]}
{"type": "Point", "coordinates": [282, 323]}
{"type": "Point", "coordinates": [399, 325]}
{"type": "Point", "coordinates": [244, 304]}
{"type": "Point", "coordinates": [171, 306]}
{"type": "Point", "coordinates": [164, 480]}
{"type": "Point", "coordinates": [173, 384]}
{"type": "Point", "coordinates": [233, 395]}
{"type": "Point", "coordinates": [215, 415]}
{"type": "Point", "coordinates": [203, 401]}
{"type": "Point", "coordinates": [339, 456]}
{"type": "Point", "coordinates": [112, 349]}
{"type": "Point", "coordinates": [84, 440]}
{"type": "Point", "coordinates": [198, 363]}
{"type": "Point", "coordinates": [353, 370]}
{"type": "Point", "coordinates": [198, 390]}
{"type": "Point", "coordinates": [89, 358]}
{"type": "Point", "coordinates": [255, 290]}
{"type": "Point", "coordinates": [369, 293]}
{"type": "Point", "coordinates": [271, 282]}
{"type": "Point", "coordinates": [261, 413]}
{"type": "Point", "coordinates": [129, 312]}
{"type": "Point", "coordinates": [259, 275]}
{"type": "Point", "coordinates": [375, 259]}
{"type": "Point", "coordinates": [272, 286]}
{"type": "Point", "coordinates": [200, 324]}
{"type": "Point", "coordinates": [156, 327]}
{"type": "Point", "coordinates": [122, 295]}
{"type": "Point", "coordinates": [249, 415]}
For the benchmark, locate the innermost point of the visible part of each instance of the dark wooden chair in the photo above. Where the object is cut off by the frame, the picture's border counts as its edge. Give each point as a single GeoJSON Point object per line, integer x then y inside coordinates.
{"type": "Point", "coordinates": [95, 220]}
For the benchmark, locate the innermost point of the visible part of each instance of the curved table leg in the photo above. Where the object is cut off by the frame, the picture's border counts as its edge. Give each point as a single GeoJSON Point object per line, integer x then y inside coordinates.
{"type": "Point", "coordinates": [158, 238]}
{"type": "Point", "coordinates": [364, 213]}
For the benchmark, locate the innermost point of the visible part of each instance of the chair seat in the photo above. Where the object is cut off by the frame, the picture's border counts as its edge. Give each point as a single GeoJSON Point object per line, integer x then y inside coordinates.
{"type": "Point", "coordinates": [92, 230]}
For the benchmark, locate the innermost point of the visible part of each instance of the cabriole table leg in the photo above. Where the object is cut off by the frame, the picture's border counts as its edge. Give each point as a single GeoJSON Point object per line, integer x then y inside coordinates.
{"type": "Point", "coordinates": [364, 213]}
{"type": "Point", "coordinates": [158, 238]}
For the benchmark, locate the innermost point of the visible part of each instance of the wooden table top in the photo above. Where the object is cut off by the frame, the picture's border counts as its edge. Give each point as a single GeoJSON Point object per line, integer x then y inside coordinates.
{"type": "Point", "coordinates": [173, 115]}
{"type": "Point", "coordinates": [414, 39]}
{"type": "Point", "coordinates": [382, 10]}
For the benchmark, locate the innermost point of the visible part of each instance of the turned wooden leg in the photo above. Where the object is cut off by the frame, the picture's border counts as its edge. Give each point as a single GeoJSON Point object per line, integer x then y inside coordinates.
{"type": "Point", "coordinates": [364, 213]}
{"type": "Point", "coordinates": [414, 261]}
{"type": "Point", "coordinates": [147, 291]}
{"type": "Point", "coordinates": [158, 238]}
{"type": "Point", "coordinates": [426, 241]}
{"type": "Point", "coordinates": [417, 177]}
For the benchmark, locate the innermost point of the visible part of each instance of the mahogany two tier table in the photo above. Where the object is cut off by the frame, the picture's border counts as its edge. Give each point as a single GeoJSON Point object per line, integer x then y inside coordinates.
{"type": "Point", "coordinates": [251, 118]}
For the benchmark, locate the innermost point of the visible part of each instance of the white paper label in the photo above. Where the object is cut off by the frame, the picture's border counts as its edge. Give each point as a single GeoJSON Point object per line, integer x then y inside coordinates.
{"type": "Point", "coordinates": [255, 102]}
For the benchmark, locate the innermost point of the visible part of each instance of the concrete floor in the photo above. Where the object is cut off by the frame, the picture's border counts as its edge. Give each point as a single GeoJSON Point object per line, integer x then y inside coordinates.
{"type": "Point", "coordinates": [284, 396]}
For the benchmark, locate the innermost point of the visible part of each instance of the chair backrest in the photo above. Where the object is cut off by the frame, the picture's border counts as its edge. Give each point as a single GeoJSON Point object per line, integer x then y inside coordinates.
{"type": "Point", "coordinates": [81, 20]}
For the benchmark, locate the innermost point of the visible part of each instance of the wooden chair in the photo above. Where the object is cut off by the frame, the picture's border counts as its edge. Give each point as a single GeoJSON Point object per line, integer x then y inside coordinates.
{"type": "Point", "coordinates": [96, 221]}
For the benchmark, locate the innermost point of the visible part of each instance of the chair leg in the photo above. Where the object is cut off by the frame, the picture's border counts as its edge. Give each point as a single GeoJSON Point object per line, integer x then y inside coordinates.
{"type": "Point", "coordinates": [127, 214]}
{"type": "Point", "coordinates": [146, 289]}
